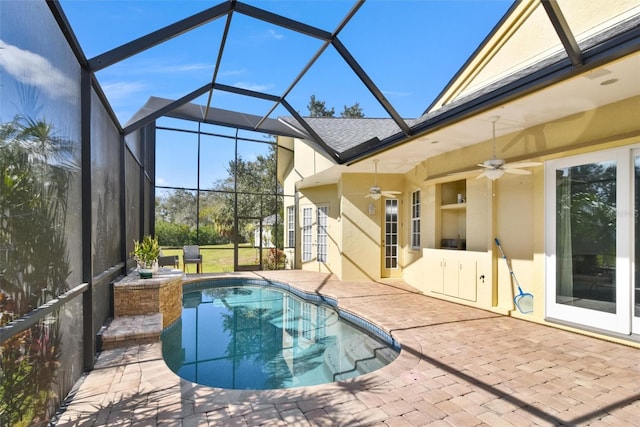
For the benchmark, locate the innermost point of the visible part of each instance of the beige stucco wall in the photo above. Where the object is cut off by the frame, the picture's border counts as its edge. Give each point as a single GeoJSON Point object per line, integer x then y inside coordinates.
{"type": "Point", "coordinates": [362, 231]}
{"type": "Point", "coordinates": [511, 208]}
{"type": "Point", "coordinates": [296, 162]}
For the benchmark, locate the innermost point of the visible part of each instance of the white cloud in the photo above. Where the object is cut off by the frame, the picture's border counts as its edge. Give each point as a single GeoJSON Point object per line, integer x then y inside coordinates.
{"type": "Point", "coordinates": [182, 68]}
{"type": "Point", "coordinates": [32, 69]}
{"type": "Point", "coordinates": [117, 91]}
{"type": "Point", "coordinates": [274, 34]}
{"type": "Point", "coordinates": [232, 72]}
{"type": "Point", "coordinates": [253, 86]}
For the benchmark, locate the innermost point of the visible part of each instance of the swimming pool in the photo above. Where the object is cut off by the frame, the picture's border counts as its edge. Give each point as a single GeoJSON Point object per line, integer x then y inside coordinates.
{"type": "Point", "coordinates": [255, 334]}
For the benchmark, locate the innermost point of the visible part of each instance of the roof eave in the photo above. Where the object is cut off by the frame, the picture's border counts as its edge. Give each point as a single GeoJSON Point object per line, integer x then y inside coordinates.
{"type": "Point", "coordinates": [615, 48]}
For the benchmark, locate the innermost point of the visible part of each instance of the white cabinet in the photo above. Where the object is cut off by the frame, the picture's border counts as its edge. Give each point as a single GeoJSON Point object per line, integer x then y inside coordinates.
{"type": "Point", "coordinates": [434, 277]}
{"type": "Point", "coordinates": [452, 273]}
{"type": "Point", "coordinates": [467, 279]}
{"type": "Point", "coordinates": [450, 276]}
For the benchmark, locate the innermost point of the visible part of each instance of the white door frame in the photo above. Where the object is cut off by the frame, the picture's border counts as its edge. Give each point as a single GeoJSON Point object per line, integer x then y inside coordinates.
{"type": "Point", "coordinates": [621, 320]}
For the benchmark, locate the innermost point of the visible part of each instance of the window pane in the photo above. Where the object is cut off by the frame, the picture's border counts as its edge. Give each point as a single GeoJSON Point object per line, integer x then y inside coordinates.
{"type": "Point", "coordinates": [322, 234]}
{"type": "Point", "coordinates": [306, 234]}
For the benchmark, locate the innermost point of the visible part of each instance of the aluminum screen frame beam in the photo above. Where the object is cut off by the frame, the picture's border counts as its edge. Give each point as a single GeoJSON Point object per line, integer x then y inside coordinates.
{"type": "Point", "coordinates": [377, 93]}
{"type": "Point", "coordinates": [162, 111]}
{"type": "Point", "coordinates": [552, 8]}
{"type": "Point", "coordinates": [157, 37]}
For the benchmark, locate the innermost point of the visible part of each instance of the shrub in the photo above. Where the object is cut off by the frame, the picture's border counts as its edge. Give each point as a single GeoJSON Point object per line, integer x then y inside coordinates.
{"type": "Point", "coordinates": [274, 259]}
{"type": "Point", "coordinates": [172, 234]}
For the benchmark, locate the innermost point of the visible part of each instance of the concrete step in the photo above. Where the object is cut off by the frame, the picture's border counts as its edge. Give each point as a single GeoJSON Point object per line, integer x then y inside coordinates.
{"type": "Point", "coordinates": [125, 331]}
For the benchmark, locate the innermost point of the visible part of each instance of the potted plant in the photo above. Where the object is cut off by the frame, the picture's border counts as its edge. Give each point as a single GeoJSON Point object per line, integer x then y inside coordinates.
{"type": "Point", "coordinates": [146, 254]}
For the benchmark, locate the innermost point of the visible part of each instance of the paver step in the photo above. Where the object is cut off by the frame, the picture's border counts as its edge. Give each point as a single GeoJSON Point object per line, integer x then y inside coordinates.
{"type": "Point", "coordinates": [125, 331]}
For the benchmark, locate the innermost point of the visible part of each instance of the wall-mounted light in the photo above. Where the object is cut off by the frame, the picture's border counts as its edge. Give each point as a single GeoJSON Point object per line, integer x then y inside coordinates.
{"type": "Point", "coordinates": [372, 209]}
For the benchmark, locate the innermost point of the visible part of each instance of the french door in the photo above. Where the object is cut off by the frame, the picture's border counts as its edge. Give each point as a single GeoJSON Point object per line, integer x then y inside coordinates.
{"type": "Point", "coordinates": [592, 240]}
{"type": "Point", "coordinates": [390, 244]}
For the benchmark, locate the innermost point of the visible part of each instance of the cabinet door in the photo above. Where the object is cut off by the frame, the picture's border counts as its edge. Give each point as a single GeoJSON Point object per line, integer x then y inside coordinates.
{"type": "Point", "coordinates": [467, 273]}
{"type": "Point", "coordinates": [433, 277]}
{"type": "Point", "coordinates": [450, 277]}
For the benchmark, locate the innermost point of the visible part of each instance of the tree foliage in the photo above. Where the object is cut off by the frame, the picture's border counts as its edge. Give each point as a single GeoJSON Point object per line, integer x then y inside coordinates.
{"type": "Point", "coordinates": [250, 189]}
{"type": "Point", "coordinates": [318, 108]}
{"type": "Point", "coordinates": [353, 112]}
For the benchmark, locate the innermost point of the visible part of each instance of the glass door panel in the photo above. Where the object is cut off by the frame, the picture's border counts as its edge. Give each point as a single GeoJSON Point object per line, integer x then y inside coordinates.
{"type": "Point", "coordinates": [586, 236]}
{"type": "Point", "coordinates": [591, 239]}
{"type": "Point", "coordinates": [390, 242]}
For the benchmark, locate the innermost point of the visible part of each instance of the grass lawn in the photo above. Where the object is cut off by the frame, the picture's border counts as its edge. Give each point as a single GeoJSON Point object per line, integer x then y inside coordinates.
{"type": "Point", "coordinates": [219, 258]}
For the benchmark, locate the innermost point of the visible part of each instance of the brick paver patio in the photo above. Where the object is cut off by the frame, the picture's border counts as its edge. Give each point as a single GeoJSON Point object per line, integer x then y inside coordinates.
{"type": "Point", "coordinates": [459, 366]}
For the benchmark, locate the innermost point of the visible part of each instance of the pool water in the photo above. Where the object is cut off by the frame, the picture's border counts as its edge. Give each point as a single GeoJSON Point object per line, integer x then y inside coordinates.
{"type": "Point", "coordinates": [260, 337]}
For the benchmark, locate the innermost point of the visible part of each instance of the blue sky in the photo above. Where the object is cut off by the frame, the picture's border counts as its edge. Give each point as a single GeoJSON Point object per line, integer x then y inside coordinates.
{"type": "Point", "coordinates": [410, 49]}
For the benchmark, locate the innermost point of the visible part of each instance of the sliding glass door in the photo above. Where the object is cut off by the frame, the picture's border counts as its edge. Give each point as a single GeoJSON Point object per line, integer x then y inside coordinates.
{"type": "Point", "coordinates": [592, 215]}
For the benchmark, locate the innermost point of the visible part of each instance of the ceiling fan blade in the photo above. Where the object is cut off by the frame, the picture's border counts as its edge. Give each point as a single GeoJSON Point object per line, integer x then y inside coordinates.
{"type": "Point", "coordinates": [518, 171]}
{"type": "Point", "coordinates": [388, 196]}
{"type": "Point", "coordinates": [482, 165]}
{"type": "Point", "coordinates": [482, 175]}
{"type": "Point", "coordinates": [522, 165]}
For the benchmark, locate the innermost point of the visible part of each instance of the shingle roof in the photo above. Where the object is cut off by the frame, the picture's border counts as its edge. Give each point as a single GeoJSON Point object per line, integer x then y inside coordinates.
{"type": "Point", "coordinates": [342, 134]}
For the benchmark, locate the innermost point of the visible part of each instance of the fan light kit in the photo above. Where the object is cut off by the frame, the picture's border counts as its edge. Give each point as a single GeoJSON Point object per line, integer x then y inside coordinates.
{"type": "Point", "coordinates": [375, 192]}
{"type": "Point", "coordinates": [494, 168]}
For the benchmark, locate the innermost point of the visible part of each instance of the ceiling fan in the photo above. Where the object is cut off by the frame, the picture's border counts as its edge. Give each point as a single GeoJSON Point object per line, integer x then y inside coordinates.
{"type": "Point", "coordinates": [375, 192]}
{"type": "Point", "coordinates": [494, 168]}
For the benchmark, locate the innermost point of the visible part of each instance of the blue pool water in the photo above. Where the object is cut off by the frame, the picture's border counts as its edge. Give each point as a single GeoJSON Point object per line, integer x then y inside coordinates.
{"type": "Point", "coordinates": [265, 337]}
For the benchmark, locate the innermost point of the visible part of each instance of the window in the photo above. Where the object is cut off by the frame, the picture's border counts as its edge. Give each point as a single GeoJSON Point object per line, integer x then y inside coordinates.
{"type": "Point", "coordinates": [306, 234]}
{"type": "Point", "coordinates": [415, 220]}
{"type": "Point", "coordinates": [322, 233]}
{"type": "Point", "coordinates": [291, 224]}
